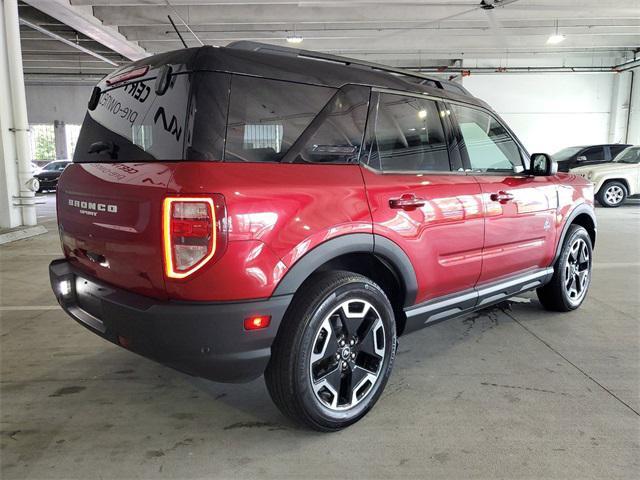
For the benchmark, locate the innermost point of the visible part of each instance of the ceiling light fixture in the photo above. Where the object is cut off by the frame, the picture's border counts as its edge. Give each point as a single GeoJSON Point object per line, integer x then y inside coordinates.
{"type": "Point", "coordinates": [556, 37]}
{"type": "Point", "coordinates": [294, 39]}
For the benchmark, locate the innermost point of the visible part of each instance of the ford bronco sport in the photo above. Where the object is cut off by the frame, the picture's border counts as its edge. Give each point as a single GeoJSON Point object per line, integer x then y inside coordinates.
{"type": "Point", "coordinates": [233, 212]}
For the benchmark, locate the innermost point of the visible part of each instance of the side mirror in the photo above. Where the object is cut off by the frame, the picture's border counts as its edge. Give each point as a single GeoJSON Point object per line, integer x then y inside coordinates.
{"type": "Point", "coordinates": [542, 165]}
{"type": "Point", "coordinates": [581, 158]}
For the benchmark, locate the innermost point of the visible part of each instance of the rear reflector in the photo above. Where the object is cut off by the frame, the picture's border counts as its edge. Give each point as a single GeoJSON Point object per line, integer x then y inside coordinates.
{"type": "Point", "coordinates": [257, 323]}
{"type": "Point", "coordinates": [189, 234]}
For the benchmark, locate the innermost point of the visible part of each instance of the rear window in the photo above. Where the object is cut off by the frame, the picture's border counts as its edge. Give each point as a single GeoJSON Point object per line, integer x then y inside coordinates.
{"type": "Point", "coordinates": [132, 123]}
{"type": "Point", "coordinates": [266, 117]}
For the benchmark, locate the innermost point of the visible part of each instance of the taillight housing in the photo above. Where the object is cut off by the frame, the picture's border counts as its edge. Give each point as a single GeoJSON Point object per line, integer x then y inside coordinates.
{"type": "Point", "coordinates": [194, 233]}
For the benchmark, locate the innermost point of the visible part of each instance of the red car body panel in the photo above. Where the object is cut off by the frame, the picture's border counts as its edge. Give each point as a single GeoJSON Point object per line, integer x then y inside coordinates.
{"type": "Point", "coordinates": [130, 238]}
{"type": "Point", "coordinates": [519, 234]}
{"type": "Point", "coordinates": [443, 239]}
{"type": "Point", "coordinates": [277, 213]}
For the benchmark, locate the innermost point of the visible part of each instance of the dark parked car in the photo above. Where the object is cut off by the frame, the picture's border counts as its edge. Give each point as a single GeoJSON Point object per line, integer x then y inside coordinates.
{"type": "Point", "coordinates": [572, 157]}
{"type": "Point", "coordinates": [50, 173]}
{"type": "Point", "coordinates": [233, 212]}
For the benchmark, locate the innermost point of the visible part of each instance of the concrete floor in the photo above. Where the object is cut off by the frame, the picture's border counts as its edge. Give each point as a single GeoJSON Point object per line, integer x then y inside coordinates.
{"type": "Point", "coordinates": [509, 393]}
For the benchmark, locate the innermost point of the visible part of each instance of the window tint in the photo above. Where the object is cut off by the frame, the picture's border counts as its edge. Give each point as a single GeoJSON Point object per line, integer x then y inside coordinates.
{"type": "Point", "coordinates": [132, 123]}
{"type": "Point", "coordinates": [487, 143]}
{"type": "Point", "coordinates": [593, 154]}
{"type": "Point", "coordinates": [208, 116]}
{"type": "Point", "coordinates": [335, 136]}
{"type": "Point", "coordinates": [409, 135]}
{"type": "Point", "coordinates": [616, 149]}
{"type": "Point", "coordinates": [267, 116]}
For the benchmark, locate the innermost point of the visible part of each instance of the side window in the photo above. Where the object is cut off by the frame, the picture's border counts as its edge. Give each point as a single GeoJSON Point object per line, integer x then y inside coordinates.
{"type": "Point", "coordinates": [487, 143]}
{"type": "Point", "coordinates": [267, 116]}
{"type": "Point", "coordinates": [616, 149]}
{"type": "Point", "coordinates": [335, 136]}
{"type": "Point", "coordinates": [593, 154]}
{"type": "Point", "coordinates": [409, 135]}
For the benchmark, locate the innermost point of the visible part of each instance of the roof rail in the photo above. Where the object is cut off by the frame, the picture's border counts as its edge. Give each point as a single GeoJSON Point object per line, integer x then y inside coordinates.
{"type": "Point", "coordinates": [327, 57]}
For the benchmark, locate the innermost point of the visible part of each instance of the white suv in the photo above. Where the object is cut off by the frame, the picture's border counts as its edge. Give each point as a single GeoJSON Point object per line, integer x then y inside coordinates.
{"type": "Point", "coordinates": [617, 180]}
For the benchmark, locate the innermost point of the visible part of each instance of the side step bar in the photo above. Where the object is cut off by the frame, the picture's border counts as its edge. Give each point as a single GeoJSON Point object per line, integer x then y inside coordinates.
{"type": "Point", "coordinates": [443, 308]}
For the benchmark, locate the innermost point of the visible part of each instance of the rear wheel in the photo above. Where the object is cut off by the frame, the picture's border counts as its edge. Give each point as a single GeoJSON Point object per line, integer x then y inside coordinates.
{"type": "Point", "coordinates": [612, 194]}
{"type": "Point", "coordinates": [334, 352]}
{"type": "Point", "coordinates": [572, 273]}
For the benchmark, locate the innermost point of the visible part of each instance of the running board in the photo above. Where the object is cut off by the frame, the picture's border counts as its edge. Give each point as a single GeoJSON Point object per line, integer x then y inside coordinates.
{"type": "Point", "coordinates": [451, 306]}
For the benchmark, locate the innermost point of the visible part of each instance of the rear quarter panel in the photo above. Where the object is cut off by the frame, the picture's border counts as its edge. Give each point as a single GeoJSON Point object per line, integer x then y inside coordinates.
{"type": "Point", "coordinates": [276, 213]}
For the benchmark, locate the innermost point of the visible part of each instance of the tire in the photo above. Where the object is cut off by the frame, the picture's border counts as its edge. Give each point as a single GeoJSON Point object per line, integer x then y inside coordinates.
{"type": "Point", "coordinates": [572, 273]}
{"type": "Point", "coordinates": [612, 194]}
{"type": "Point", "coordinates": [303, 368]}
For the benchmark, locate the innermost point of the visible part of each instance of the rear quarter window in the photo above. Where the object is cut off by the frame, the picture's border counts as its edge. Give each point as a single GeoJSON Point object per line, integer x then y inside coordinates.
{"type": "Point", "coordinates": [266, 117]}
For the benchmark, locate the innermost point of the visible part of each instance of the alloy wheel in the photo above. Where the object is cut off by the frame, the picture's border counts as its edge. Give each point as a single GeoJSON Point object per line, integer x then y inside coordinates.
{"type": "Point", "coordinates": [614, 194]}
{"type": "Point", "coordinates": [577, 270]}
{"type": "Point", "coordinates": [348, 354]}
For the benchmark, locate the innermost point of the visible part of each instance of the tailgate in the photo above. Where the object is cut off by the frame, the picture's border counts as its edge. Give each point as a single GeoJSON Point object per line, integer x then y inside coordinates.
{"type": "Point", "coordinates": [109, 215]}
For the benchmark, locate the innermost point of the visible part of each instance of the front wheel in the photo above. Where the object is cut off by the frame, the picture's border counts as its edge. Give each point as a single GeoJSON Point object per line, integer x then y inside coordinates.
{"type": "Point", "coordinates": [572, 273]}
{"type": "Point", "coordinates": [334, 351]}
{"type": "Point", "coordinates": [612, 194]}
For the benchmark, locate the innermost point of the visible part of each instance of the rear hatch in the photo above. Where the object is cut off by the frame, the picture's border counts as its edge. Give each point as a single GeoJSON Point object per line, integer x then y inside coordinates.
{"type": "Point", "coordinates": [137, 131]}
{"type": "Point", "coordinates": [110, 223]}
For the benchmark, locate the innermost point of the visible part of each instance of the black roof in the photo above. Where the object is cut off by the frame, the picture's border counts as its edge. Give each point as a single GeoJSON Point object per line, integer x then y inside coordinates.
{"type": "Point", "coordinates": [303, 66]}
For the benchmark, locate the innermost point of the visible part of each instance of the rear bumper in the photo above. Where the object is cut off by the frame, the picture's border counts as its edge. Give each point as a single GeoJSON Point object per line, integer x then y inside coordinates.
{"type": "Point", "coordinates": [203, 339]}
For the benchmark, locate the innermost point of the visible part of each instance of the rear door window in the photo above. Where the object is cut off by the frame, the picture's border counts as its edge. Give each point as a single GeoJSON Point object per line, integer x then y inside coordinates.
{"type": "Point", "coordinates": [408, 135]}
{"type": "Point", "coordinates": [266, 117]}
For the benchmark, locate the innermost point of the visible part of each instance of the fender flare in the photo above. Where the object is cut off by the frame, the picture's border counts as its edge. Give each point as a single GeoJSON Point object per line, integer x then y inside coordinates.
{"type": "Point", "coordinates": [578, 210]}
{"type": "Point", "coordinates": [383, 248]}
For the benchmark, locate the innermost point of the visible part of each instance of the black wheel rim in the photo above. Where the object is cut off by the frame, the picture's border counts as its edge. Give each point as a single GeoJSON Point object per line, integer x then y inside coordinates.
{"type": "Point", "coordinates": [347, 355]}
{"type": "Point", "coordinates": [577, 269]}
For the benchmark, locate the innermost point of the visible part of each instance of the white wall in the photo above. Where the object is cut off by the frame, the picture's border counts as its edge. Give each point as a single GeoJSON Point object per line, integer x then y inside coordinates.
{"type": "Point", "coordinates": [67, 103]}
{"type": "Point", "coordinates": [550, 111]}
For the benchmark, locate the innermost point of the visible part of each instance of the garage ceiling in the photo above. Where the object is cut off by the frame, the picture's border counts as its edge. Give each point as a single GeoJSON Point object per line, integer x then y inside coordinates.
{"type": "Point", "coordinates": [402, 33]}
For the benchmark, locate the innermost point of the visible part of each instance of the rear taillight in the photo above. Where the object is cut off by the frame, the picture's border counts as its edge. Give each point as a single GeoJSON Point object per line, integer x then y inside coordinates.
{"type": "Point", "coordinates": [192, 233]}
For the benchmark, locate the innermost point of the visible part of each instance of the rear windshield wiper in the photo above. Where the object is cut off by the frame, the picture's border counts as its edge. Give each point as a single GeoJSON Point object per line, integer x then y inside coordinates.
{"type": "Point", "coordinates": [110, 147]}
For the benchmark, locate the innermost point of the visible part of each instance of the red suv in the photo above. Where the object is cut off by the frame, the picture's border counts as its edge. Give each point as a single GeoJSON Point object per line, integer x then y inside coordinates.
{"type": "Point", "coordinates": [233, 212]}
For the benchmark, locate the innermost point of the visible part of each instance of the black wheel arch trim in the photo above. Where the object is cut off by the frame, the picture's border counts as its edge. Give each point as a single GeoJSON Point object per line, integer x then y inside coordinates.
{"type": "Point", "coordinates": [385, 249]}
{"type": "Point", "coordinates": [582, 208]}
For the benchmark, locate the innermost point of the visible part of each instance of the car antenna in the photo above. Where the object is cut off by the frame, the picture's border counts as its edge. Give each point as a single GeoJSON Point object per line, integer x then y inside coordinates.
{"type": "Point", "coordinates": [183, 22]}
{"type": "Point", "coordinates": [177, 31]}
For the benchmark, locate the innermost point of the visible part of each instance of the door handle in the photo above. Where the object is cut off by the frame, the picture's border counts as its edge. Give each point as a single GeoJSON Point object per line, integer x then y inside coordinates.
{"type": "Point", "coordinates": [408, 202]}
{"type": "Point", "coordinates": [502, 197]}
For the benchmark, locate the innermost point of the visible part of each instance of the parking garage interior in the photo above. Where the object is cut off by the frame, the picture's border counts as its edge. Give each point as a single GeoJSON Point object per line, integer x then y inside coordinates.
{"type": "Point", "coordinates": [511, 391]}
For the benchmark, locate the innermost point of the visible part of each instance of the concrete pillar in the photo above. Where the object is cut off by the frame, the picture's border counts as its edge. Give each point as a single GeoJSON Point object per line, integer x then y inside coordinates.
{"type": "Point", "coordinates": [619, 107]}
{"type": "Point", "coordinates": [60, 137]}
{"type": "Point", "coordinates": [633, 130]}
{"type": "Point", "coordinates": [10, 216]}
{"type": "Point", "coordinates": [15, 190]}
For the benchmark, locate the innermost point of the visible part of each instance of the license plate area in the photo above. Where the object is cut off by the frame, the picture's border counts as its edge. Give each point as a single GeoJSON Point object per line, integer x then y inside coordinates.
{"type": "Point", "coordinates": [89, 296]}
